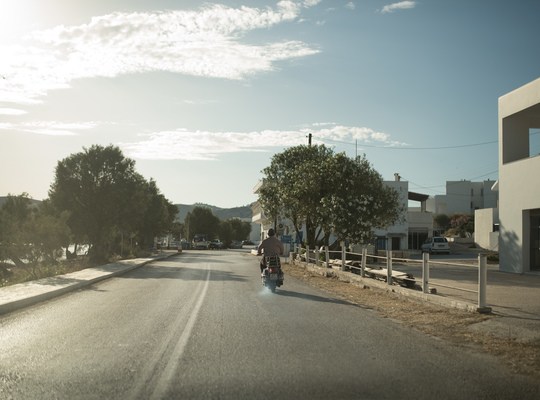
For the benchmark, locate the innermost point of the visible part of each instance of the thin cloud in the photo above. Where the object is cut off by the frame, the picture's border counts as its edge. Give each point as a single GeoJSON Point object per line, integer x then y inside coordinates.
{"type": "Point", "coordinates": [12, 111]}
{"type": "Point", "coordinates": [350, 5]}
{"type": "Point", "coordinates": [49, 128]}
{"type": "Point", "coordinates": [205, 43]}
{"type": "Point", "coordinates": [402, 5]}
{"type": "Point", "coordinates": [183, 144]}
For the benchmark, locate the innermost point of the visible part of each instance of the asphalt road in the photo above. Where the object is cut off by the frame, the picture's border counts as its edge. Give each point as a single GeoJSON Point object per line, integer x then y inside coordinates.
{"type": "Point", "coordinates": [200, 326]}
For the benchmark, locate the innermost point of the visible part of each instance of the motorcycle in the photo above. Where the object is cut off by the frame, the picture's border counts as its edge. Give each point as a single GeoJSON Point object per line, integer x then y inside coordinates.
{"type": "Point", "coordinates": [272, 275]}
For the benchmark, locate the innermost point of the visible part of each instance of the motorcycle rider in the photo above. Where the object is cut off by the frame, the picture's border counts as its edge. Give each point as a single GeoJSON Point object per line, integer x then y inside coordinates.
{"type": "Point", "coordinates": [269, 247]}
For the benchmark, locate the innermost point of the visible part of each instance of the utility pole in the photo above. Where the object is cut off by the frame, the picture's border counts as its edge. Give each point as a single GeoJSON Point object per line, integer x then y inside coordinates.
{"type": "Point", "coordinates": [309, 139]}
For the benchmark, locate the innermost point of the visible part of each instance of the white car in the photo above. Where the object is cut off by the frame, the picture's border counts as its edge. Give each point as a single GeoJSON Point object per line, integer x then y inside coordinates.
{"type": "Point", "coordinates": [437, 244]}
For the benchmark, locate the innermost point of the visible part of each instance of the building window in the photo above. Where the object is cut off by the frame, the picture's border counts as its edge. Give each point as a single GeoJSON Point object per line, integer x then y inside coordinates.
{"type": "Point", "coordinates": [534, 142]}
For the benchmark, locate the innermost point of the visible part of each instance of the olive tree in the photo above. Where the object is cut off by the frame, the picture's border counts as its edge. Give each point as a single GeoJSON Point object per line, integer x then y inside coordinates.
{"type": "Point", "coordinates": [105, 198]}
{"type": "Point", "coordinates": [327, 193]}
{"type": "Point", "coordinates": [293, 186]}
{"type": "Point", "coordinates": [202, 220]}
{"type": "Point", "coordinates": [360, 201]}
{"type": "Point", "coordinates": [30, 234]}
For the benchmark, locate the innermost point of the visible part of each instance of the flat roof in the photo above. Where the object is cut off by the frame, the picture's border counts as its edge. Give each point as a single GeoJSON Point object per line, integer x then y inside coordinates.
{"type": "Point", "coordinates": [418, 196]}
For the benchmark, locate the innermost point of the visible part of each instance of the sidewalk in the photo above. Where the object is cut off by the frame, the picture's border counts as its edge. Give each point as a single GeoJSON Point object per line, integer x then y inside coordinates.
{"type": "Point", "coordinates": [25, 294]}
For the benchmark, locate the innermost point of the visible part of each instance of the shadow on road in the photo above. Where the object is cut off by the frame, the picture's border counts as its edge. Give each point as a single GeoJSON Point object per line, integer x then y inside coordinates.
{"type": "Point", "coordinates": [311, 297]}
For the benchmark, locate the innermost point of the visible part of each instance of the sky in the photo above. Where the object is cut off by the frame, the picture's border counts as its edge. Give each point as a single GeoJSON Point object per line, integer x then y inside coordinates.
{"type": "Point", "coordinates": [202, 94]}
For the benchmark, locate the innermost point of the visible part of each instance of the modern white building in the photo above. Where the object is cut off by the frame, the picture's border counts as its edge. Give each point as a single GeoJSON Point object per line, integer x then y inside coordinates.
{"type": "Point", "coordinates": [486, 228]}
{"type": "Point", "coordinates": [519, 182]}
{"type": "Point", "coordinates": [415, 226]}
{"type": "Point", "coordinates": [464, 197]}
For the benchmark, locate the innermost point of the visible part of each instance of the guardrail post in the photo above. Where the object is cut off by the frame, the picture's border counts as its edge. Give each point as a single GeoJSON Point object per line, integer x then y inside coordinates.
{"type": "Point", "coordinates": [317, 261]}
{"type": "Point", "coordinates": [389, 267]}
{"type": "Point", "coordinates": [327, 256]}
{"type": "Point", "coordinates": [482, 284]}
{"type": "Point", "coordinates": [425, 272]}
{"type": "Point", "coordinates": [307, 254]}
{"type": "Point", "coordinates": [363, 264]}
{"type": "Point", "coordinates": [343, 256]}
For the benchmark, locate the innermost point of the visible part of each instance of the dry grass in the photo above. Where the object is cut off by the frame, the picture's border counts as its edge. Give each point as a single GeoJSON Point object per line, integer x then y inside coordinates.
{"type": "Point", "coordinates": [448, 324]}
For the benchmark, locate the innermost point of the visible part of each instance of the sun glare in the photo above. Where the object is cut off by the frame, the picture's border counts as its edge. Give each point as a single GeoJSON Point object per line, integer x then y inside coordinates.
{"type": "Point", "coordinates": [15, 20]}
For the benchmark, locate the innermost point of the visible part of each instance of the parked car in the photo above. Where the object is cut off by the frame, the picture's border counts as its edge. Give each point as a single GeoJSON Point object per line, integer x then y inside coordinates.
{"type": "Point", "coordinates": [236, 244]}
{"type": "Point", "coordinates": [215, 244]}
{"type": "Point", "coordinates": [437, 244]}
{"type": "Point", "coordinates": [200, 242]}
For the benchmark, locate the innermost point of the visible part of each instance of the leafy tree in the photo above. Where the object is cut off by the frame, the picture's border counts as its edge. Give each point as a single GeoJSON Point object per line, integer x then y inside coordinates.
{"type": "Point", "coordinates": [359, 201]}
{"type": "Point", "coordinates": [293, 186]}
{"type": "Point", "coordinates": [47, 233]}
{"type": "Point", "coordinates": [442, 221]}
{"type": "Point", "coordinates": [101, 190]}
{"type": "Point", "coordinates": [461, 224]}
{"type": "Point", "coordinates": [158, 217]}
{"type": "Point", "coordinates": [177, 230]}
{"type": "Point", "coordinates": [31, 233]}
{"type": "Point", "coordinates": [326, 193]}
{"type": "Point", "coordinates": [14, 216]}
{"type": "Point", "coordinates": [201, 220]}
{"type": "Point", "coordinates": [234, 229]}
{"type": "Point", "coordinates": [225, 232]}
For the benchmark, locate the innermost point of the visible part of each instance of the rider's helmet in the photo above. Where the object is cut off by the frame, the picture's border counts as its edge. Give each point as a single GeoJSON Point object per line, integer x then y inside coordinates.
{"type": "Point", "coordinates": [271, 232]}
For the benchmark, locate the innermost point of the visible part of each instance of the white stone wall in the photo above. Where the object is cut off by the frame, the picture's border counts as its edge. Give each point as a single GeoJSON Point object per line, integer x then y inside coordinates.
{"type": "Point", "coordinates": [484, 235]}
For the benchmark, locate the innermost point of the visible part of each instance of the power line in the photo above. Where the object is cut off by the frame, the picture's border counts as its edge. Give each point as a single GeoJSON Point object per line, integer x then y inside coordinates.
{"type": "Point", "coordinates": [412, 148]}
{"type": "Point", "coordinates": [453, 182]}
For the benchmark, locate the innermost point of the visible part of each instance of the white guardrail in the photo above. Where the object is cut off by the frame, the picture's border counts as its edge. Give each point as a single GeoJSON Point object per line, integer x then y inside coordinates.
{"type": "Point", "coordinates": [369, 266]}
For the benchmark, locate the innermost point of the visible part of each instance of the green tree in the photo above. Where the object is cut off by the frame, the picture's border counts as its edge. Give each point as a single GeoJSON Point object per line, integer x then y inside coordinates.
{"type": "Point", "coordinates": [442, 221]}
{"type": "Point", "coordinates": [158, 217]}
{"type": "Point", "coordinates": [234, 229]}
{"type": "Point", "coordinates": [202, 220]}
{"type": "Point", "coordinates": [47, 233]}
{"type": "Point", "coordinates": [15, 214]}
{"type": "Point", "coordinates": [293, 186]}
{"type": "Point", "coordinates": [101, 190]}
{"type": "Point", "coordinates": [326, 193]}
{"type": "Point", "coordinates": [31, 233]}
{"type": "Point", "coordinates": [177, 230]}
{"type": "Point", "coordinates": [461, 225]}
{"type": "Point", "coordinates": [359, 200]}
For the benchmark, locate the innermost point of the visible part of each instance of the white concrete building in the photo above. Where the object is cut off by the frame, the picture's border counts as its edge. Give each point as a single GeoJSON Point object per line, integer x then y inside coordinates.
{"type": "Point", "coordinates": [486, 228]}
{"type": "Point", "coordinates": [519, 183]}
{"type": "Point", "coordinates": [416, 224]}
{"type": "Point", "coordinates": [463, 197]}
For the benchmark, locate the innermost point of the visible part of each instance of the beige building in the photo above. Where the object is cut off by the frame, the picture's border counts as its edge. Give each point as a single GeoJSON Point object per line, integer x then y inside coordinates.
{"type": "Point", "coordinates": [519, 181]}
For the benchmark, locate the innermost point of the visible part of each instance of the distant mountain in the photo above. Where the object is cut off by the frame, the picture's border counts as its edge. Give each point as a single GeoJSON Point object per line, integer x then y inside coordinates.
{"type": "Point", "coordinates": [244, 213]}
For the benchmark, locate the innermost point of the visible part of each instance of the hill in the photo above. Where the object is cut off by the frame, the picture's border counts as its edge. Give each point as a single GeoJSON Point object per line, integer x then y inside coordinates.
{"type": "Point", "coordinates": [3, 199]}
{"type": "Point", "coordinates": [244, 213]}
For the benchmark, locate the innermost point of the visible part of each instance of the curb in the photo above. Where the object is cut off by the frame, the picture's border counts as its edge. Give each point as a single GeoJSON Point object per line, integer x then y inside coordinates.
{"type": "Point", "coordinates": [25, 294]}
